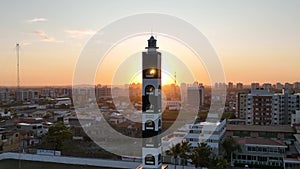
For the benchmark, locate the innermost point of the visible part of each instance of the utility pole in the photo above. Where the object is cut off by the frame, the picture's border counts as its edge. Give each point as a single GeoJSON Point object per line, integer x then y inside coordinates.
{"type": "Point", "coordinates": [18, 65]}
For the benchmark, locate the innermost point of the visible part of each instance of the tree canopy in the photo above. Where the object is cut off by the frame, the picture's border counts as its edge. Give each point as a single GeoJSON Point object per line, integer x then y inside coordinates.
{"type": "Point", "coordinates": [175, 151]}
{"type": "Point", "coordinates": [56, 135]}
{"type": "Point", "coordinates": [200, 155]}
{"type": "Point", "coordinates": [230, 146]}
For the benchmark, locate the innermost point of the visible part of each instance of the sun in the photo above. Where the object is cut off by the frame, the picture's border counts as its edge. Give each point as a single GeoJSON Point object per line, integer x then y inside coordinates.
{"type": "Point", "coordinates": [166, 78]}
{"type": "Point", "coordinates": [152, 71]}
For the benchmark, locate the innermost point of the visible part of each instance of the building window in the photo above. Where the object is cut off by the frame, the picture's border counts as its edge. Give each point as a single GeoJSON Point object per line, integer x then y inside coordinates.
{"type": "Point", "coordinates": [149, 159]}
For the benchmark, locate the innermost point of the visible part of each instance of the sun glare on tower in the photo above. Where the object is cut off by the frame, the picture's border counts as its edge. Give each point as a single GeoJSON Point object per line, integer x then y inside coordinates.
{"type": "Point", "coordinates": [166, 79]}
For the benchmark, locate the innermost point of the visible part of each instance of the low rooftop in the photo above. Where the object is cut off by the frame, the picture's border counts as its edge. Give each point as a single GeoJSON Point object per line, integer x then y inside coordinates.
{"type": "Point", "coordinates": [273, 128]}
{"type": "Point", "coordinates": [259, 141]}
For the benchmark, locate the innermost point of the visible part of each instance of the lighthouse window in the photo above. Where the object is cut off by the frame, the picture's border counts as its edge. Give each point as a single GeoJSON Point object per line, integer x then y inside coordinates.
{"type": "Point", "coordinates": [159, 158]}
{"type": "Point", "coordinates": [150, 90]}
{"type": "Point", "coordinates": [151, 107]}
{"type": "Point", "coordinates": [147, 106]}
{"type": "Point", "coordinates": [149, 159]}
{"type": "Point", "coordinates": [159, 123]}
{"type": "Point", "coordinates": [149, 125]}
{"type": "Point", "coordinates": [151, 73]}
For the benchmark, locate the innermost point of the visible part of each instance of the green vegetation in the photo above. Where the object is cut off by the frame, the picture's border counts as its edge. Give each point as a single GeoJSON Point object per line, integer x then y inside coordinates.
{"type": "Point", "coordinates": [86, 149]}
{"type": "Point", "coordinates": [228, 115]}
{"type": "Point", "coordinates": [59, 138]}
{"type": "Point", "coordinates": [202, 116]}
{"type": "Point", "coordinates": [268, 135]}
{"type": "Point", "coordinates": [241, 133]}
{"type": "Point", "coordinates": [230, 146]}
{"type": "Point", "coordinates": [56, 136]}
{"type": "Point", "coordinates": [200, 156]}
{"type": "Point", "coordinates": [218, 163]}
{"type": "Point", "coordinates": [175, 151]}
{"type": "Point", "coordinates": [185, 149]}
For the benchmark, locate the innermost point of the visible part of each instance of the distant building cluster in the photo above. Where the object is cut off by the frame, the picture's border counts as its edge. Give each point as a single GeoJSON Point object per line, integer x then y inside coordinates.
{"type": "Point", "coordinates": [263, 119]}
{"type": "Point", "coordinates": [256, 85]}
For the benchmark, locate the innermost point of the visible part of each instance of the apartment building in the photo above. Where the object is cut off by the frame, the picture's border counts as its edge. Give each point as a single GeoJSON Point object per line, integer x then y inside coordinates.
{"type": "Point", "coordinates": [208, 132]}
{"type": "Point", "coordinates": [262, 107]}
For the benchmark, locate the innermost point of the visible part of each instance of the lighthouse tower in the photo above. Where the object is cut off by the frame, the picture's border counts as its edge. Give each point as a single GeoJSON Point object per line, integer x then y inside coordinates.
{"type": "Point", "coordinates": [151, 109]}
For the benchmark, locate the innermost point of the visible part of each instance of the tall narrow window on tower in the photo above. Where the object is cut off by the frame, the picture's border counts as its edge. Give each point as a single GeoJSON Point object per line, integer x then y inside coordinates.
{"type": "Point", "coordinates": [151, 107]}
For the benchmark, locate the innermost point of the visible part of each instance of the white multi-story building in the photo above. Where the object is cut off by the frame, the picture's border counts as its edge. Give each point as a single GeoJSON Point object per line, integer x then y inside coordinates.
{"type": "Point", "coordinates": [208, 132]}
{"type": "Point", "coordinates": [288, 86]}
{"type": "Point", "coordinates": [260, 151]}
{"type": "Point", "coordinates": [26, 95]}
{"type": "Point", "coordinates": [174, 138]}
{"type": "Point", "coordinates": [5, 113]}
{"type": "Point", "coordinates": [37, 129]}
{"type": "Point", "coordinates": [293, 163]}
{"type": "Point", "coordinates": [295, 118]}
{"type": "Point", "coordinates": [254, 86]}
{"type": "Point", "coordinates": [279, 86]}
{"type": "Point", "coordinates": [239, 85]}
{"type": "Point", "coordinates": [63, 101]}
{"type": "Point", "coordinates": [195, 95]}
{"type": "Point", "coordinates": [267, 86]}
{"type": "Point", "coordinates": [4, 96]}
{"type": "Point", "coordinates": [297, 85]}
{"type": "Point", "coordinates": [172, 104]}
{"type": "Point", "coordinates": [230, 85]}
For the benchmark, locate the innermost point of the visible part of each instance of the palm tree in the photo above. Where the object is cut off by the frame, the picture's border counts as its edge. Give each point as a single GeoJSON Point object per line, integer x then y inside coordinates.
{"type": "Point", "coordinates": [185, 149]}
{"type": "Point", "coordinates": [230, 146]}
{"type": "Point", "coordinates": [218, 163]}
{"type": "Point", "coordinates": [195, 159]}
{"type": "Point", "coordinates": [175, 152]}
{"type": "Point", "coordinates": [222, 163]}
{"type": "Point", "coordinates": [200, 155]}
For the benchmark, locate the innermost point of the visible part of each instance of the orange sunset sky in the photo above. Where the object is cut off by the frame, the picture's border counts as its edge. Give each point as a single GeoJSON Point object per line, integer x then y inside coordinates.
{"type": "Point", "coordinates": [256, 41]}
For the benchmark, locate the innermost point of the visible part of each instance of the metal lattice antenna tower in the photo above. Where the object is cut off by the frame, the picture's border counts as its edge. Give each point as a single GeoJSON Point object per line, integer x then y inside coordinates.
{"type": "Point", "coordinates": [175, 80]}
{"type": "Point", "coordinates": [18, 65]}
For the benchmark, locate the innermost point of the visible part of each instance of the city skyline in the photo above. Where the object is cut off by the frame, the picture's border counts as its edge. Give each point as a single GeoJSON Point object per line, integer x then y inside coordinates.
{"type": "Point", "coordinates": [150, 84]}
{"type": "Point", "coordinates": [249, 37]}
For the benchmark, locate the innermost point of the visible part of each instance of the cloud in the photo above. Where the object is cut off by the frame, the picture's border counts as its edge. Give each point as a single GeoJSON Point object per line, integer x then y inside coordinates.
{"type": "Point", "coordinates": [36, 20]}
{"type": "Point", "coordinates": [79, 33]}
{"type": "Point", "coordinates": [26, 43]}
{"type": "Point", "coordinates": [44, 37]}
